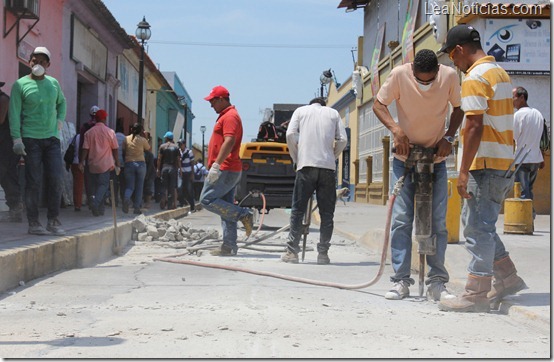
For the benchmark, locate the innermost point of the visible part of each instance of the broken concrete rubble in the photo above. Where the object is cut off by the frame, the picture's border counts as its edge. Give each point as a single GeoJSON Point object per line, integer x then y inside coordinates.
{"type": "Point", "coordinates": [149, 229]}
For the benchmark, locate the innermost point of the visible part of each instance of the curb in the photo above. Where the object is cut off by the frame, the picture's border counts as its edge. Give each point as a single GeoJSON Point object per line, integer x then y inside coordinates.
{"type": "Point", "coordinates": [69, 252]}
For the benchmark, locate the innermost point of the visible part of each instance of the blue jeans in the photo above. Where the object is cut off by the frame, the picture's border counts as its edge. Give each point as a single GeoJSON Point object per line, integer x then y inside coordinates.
{"type": "Point", "coordinates": [488, 189]}
{"type": "Point", "coordinates": [100, 183]}
{"type": "Point", "coordinates": [308, 180]}
{"type": "Point", "coordinates": [402, 225]}
{"type": "Point", "coordinates": [43, 153]}
{"type": "Point", "coordinates": [134, 181]}
{"type": "Point", "coordinates": [218, 197]}
{"type": "Point", "coordinates": [526, 176]}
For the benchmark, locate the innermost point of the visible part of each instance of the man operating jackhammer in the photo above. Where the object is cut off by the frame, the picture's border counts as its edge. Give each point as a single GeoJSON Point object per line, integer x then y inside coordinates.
{"type": "Point", "coordinates": [423, 91]}
{"type": "Point", "coordinates": [315, 137]}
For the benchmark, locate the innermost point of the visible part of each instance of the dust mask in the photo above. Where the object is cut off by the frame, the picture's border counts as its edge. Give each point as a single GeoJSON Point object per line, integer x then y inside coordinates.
{"type": "Point", "coordinates": [424, 87]}
{"type": "Point", "coordinates": [38, 70]}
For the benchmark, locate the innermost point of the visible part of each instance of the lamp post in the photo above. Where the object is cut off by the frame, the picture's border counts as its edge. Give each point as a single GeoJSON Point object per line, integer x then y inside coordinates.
{"type": "Point", "coordinates": [143, 34]}
{"type": "Point", "coordinates": [203, 130]}
{"type": "Point", "coordinates": [324, 79]}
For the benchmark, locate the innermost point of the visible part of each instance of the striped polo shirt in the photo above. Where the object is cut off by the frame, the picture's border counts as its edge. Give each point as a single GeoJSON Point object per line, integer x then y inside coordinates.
{"type": "Point", "coordinates": [487, 90]}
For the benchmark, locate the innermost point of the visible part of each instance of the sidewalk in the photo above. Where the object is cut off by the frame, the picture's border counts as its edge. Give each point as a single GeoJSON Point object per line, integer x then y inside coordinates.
{"type": "Point", "coordinates": [530, 253]}
{"type": "Point", "coordinates": [88, 241]}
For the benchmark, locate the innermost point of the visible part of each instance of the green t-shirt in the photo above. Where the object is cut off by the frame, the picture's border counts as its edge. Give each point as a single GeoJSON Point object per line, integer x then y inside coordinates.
{"type": "Point", "coordinates": [35, 108]}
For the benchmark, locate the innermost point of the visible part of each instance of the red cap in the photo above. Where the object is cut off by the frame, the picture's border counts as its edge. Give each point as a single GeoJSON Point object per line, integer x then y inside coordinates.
{"type": "Point", "coordinates": [218, 91]}
{"type": "Point", "coordinates": [101, 115]}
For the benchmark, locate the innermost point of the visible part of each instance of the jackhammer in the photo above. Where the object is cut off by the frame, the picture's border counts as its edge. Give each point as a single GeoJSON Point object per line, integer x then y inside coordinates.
{"type": "Point", "coordinates": [420, 165]}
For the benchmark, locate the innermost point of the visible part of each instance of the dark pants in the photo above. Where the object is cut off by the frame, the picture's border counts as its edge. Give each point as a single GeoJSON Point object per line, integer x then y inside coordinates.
{"type": "Point", "coordinates": [308, 180]}
{"type": "Point", "coordinates": [9, 179]}
{"type": "Point", "coordinates": [43, 153]}
{"type": "Point", "coordinates": [169, 184]}
{"type": "Point", "coordinates": [198, 189]}
{"type": "Point", "coordinates": [526, 176]}
{"type": "Point", "coordinates": [100, 183]}
{"type": "Point", "coordinates": [186, 192]}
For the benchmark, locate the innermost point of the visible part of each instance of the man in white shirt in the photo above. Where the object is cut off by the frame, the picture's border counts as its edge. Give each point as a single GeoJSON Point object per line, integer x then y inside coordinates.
{"type": "Point", "coordinates": [315, 137]}
{"type": "Point", "coordinates": [528, 127]}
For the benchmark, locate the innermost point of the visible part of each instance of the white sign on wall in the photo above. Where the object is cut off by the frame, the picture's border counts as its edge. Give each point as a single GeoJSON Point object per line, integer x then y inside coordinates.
{"type": "Point", "coordinates": [520, 46]}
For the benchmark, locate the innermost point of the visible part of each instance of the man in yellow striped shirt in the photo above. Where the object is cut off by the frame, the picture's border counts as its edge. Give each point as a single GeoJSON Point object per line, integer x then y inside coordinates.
{"type": "Point", "coordinates": [483, 178]}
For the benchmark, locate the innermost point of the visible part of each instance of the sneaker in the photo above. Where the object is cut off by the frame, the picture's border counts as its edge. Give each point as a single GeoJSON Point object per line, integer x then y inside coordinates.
{"type": "Point", "coordinates": [398, 291]}
{"type": "Point", "coordinates": [290, 257]}
{"type": "Point", "coordinates": [125, 206]}
{"type": "Point", "coordinates": [248, 222]}
{"type": "Point", "coordinates": [137, 212]}
{"type": "Point", "coordinates": [437, 291]}
{"type": "Point", "coordinates": [54, 226]}
{"type": "Point", "coordinates": [36, 228]}
{"type": "Point", "coordinates": [323, 258]}
{"type": "Point", "coordinates": [223, 251]}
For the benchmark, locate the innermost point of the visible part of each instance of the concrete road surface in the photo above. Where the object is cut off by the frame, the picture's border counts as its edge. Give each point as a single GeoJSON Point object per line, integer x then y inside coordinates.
{"type": "Point", "coordinates": [135, 307]}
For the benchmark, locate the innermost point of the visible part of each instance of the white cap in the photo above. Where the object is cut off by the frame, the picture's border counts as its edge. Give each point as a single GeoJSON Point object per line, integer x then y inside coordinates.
{"type": "Point", "coordinates": [42, 50]}
{"type": "Point", "coordinates": [93, 110]}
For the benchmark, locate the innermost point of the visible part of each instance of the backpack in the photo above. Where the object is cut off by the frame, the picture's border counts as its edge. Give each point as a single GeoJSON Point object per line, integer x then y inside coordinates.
{"type": "Point", "coordinates": [198, 172]}
{"type": "Point", "coordinates": [69, 154]}
{"type": "Point", "coordinates": [267, 132]}
{"type": "Point", "coordinates": [545, 138]}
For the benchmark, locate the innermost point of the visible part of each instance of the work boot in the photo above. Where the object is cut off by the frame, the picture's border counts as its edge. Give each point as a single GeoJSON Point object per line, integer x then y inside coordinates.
{"type": "Point", "coordinates": [223, 251]}
{"type": "Point", "coordinates": [474, 299]}
{"type": "Point", "coordinates": [248, 222]}
{"type": "Point", "coordinates": [505, 280]}
{"type": "Point", "coordinates": [437, 291]}
{"type": "Point", "coordinates": [290, 257]}
{"type": "Point", "coordinates": [399, 290]}
{"type": "Point", "coordinates": [36, 228]}
{"type": "Point", "coordinates": [54, 226]}
{"type": "Point", "coordinates": [323, 258]}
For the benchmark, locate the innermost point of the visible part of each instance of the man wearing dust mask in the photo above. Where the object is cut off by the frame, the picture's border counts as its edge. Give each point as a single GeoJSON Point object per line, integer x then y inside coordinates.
{"type": "Point", "coordinates": [37, 111]}
{"type": "Point", "coordinates": [424, 92]}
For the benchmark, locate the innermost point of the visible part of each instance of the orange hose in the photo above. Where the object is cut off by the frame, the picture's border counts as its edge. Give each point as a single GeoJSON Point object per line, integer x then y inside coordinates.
{"type": "Point", "coordinates": [304, 280]}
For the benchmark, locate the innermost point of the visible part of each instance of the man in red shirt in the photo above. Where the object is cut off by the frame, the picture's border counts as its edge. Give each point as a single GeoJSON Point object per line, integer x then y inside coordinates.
{"type": "Point", "coordinates": [225, 171]}
{"type": "Point", "coordinates": [100, 151]}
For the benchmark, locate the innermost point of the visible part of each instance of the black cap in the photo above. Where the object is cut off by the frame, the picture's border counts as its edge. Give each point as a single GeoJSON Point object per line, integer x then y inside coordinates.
{"type": "Point", "coordinates": [458, 35]}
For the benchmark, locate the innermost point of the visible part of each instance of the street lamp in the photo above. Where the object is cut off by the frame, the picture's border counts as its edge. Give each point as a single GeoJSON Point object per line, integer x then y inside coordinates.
{"type": "Point", "coordinates": [143, 34]}
{"type": "Point", "coordinates": [324, 79]}
{"type": "Point", "coordinates": [203, 130]}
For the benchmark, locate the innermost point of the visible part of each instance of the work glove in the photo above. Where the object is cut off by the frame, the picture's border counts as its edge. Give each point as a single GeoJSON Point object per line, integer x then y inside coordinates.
{"type": "Point", "coordinates": [19, 147]}
{"type": "Point", "coordinates": [117, 170]}
{"type": "Point", "coordinates": [213, 174]}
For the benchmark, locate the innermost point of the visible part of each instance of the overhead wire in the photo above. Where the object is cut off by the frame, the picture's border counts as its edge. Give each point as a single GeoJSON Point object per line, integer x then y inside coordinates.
{"type": "Point", "coordinates": [243, 45]}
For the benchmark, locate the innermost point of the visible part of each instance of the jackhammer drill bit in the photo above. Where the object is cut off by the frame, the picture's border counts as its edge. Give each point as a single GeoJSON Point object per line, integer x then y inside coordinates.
{"type": "Point", "coordinates": [424, 208]}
